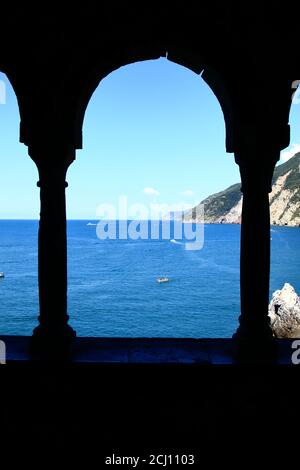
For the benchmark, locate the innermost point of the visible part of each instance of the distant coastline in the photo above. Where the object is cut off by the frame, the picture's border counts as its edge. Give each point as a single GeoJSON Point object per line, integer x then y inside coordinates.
{"type": "Point", "coordinates": [225, 207]}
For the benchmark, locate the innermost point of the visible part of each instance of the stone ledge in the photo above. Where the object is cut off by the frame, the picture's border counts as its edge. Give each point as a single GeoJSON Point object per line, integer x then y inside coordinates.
{"type": "Point", "coordinates": [88, 350]}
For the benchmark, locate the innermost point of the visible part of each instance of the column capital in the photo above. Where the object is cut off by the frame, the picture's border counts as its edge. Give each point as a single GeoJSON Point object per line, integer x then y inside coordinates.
{"type": "Point", "coordinates": [52, 164]}
{"type": "Point", "coordinates": [257, 150]}
{"type": "Point", "coordinates": [257, 168]}
{"type": "Point", "coordinates": [258, 135]}
{"type": "Point", "coordinates": [54, 158]}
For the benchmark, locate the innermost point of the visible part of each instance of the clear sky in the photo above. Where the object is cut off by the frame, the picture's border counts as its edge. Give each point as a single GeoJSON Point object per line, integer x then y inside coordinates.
{"type": "Point", "coordinates": [153, 132]}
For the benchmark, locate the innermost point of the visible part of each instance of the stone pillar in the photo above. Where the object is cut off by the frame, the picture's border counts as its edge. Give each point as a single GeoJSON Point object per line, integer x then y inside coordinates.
{"type": "Point", "coordinates": [254, 335]}
{"type": "Point", "coordinates": [53, 336]}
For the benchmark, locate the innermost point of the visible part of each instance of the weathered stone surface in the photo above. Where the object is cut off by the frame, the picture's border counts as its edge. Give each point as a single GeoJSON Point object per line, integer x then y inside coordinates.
{"type": "Point", "coordinates": [284, 312]}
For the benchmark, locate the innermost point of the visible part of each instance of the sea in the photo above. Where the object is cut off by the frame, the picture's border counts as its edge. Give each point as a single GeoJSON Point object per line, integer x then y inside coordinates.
{"type": "Point", "coordinates": [112, 283]}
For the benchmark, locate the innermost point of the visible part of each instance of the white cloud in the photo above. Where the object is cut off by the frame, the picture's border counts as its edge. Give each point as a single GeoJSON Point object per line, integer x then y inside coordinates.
{"type": "Point", "coordinates": [151, 191]}
{"type": "Point", "coordinates": [188, 193]}
{"type": "Point", "coordinates": [287, 154]}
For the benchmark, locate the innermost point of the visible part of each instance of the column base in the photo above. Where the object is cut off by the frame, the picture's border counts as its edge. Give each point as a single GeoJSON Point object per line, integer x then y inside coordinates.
{"type": "Point", "coordinates": [255, 349]}
{"type": "Point", "coordinates": [52, 343]}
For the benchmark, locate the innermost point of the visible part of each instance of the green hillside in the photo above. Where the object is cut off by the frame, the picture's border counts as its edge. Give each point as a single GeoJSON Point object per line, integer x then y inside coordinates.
{"type": "Point", "coordinates": [219, 204]}
{"type": "Point", "coordinates": [292, 183]}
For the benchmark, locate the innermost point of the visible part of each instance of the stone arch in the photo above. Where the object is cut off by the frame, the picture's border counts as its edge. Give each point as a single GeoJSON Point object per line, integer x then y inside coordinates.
{"type": "Point", "coordinates": [121, 74]}
{"type": "Point", "coordinates": [213, 77]}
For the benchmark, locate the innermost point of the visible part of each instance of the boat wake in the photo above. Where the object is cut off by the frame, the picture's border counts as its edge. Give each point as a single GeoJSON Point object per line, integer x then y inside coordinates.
{"type": "Point", "coordinates": [176, 242]}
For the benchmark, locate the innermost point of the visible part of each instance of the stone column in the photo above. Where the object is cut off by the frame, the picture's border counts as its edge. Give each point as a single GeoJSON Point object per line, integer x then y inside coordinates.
{"type": "Point", "coordinates": [53, 336]}
{"type": "Point", "coordinates": [254, 335]}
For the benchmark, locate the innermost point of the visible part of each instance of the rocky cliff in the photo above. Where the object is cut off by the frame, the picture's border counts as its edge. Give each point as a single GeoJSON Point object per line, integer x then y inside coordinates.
{"type": "Point", "coordinates": [226, 206]}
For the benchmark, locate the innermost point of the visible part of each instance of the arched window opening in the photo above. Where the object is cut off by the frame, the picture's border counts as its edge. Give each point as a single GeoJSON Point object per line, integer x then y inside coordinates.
{"type": "Point", "coordinates": [153, 134]}
{"type": "Point", "coordinates": [19, 212]}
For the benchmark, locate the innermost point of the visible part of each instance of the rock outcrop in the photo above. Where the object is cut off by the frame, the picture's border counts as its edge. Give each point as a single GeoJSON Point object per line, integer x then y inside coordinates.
{"type": "Point", "coordinates": [284, 313]}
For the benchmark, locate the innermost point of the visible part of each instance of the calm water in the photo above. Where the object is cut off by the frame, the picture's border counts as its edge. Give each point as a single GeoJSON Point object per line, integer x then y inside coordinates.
{"type": "Point", "coordinates": [112, 284]}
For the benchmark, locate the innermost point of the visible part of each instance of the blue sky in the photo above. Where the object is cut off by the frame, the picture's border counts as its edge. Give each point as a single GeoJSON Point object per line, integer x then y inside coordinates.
{"type": "Point", "coordinates": [153, 132]}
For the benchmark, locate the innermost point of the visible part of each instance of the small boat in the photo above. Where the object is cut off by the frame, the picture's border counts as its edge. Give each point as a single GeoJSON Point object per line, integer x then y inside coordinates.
{"type": "Point", "coordinates": [161, 280]}
{"type": "Point", "coordinates": [1, 275]}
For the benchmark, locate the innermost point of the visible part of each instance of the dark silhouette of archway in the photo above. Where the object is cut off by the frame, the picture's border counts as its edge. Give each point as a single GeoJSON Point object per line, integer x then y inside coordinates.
{"type": "Point", "coordinates": [243, 74]}
{"type": "Point", "coordinates": [85, 164]}
{"type": "Point", "coordinates": [215, 81]}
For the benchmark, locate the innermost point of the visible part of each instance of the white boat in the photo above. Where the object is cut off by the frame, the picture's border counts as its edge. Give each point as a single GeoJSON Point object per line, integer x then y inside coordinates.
{"type": "Point", "coordinates": [1, 275]}
{"type": "Point", "coordinates": [161, 280]}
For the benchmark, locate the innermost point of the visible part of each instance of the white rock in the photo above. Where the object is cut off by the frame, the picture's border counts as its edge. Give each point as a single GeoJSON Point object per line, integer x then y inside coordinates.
{"type": "Point", "coordinates": [284, 313]}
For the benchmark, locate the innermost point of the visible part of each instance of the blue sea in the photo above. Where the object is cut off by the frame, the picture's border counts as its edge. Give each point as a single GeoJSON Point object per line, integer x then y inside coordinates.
{"type": "Point", "coordinates": [112, 283]}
